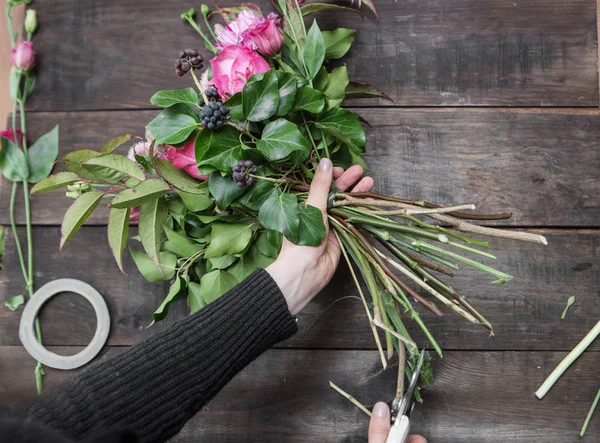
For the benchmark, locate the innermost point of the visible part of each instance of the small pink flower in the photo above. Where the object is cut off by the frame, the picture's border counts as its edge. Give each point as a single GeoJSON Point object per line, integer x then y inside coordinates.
{"type": "Point", "coordinates": [134, 214]}
{"type": "Point", "coordinates": [265, 35]}
{"type": "Point", "coordinates": [233, 34]}
{"type": "Point", "coordinates": [23, 56]}
{"type": "Point", "coordinates": [185, 158]}
{"type": "Point", "coordinates": [233, 67]}
{"type": "Point", "coordinates": [142, 149]}
{"type": "Point", "coordinates": [9, 134]}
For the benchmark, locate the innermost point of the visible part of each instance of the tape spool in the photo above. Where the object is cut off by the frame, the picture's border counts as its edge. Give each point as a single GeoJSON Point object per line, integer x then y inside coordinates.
{"type": "Point", "coordinates": [33, 306]}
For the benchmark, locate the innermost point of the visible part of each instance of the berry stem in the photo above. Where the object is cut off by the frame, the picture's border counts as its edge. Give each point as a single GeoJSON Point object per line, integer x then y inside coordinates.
{"type": "Point", "coordinates": [199, 86]}
{"type": "Point", "coordinates": [239, 128]}
{"type": "Point", "coordinates": [274, 180]}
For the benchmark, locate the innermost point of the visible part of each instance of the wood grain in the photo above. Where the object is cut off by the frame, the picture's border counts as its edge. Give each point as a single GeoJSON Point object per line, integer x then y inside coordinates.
{"type": "Point", "coordinates": [114, 55]}
{"type": "Point", "coordinates": [541, 165]}
{"type": "Point", "coordinates": [525, 312]}
{"type": "Point", "coordinates": [284, 396]}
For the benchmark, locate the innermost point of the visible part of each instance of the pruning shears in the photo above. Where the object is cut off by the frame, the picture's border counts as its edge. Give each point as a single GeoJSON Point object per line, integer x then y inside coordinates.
{"type": "Point", "coordinates": [402, 407]}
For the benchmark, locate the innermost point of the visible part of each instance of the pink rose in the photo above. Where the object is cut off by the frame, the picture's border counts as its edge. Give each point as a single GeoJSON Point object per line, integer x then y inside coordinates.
{"type": "Point", "coordinates": [265, 35]}
{"type": "Point", "coordinates": [23, 56]}
{"type": "Point", "coordinates": [185, 158]}
{"type": "Point", "coordinates": [233, 67]}
{"type": "Point", "coordinates": [233, 32]}
{"type": "Point", "coordinates": [9, 134]}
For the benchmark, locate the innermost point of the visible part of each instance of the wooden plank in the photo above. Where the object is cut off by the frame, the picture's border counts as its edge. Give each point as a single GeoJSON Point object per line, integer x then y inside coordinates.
{"type": "Point", "coordinates": [439, 52]}
{"type": "Point", "coordinates": [541, 165]}
{"type": "Point", "coordinates": [284, 396]}
{"type": "Point", "coordinates": [525, 312]}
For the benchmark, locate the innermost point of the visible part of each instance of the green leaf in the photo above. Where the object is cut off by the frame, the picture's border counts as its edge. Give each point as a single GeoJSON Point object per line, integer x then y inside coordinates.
{"type": "Point", "coordinates": [294, 21]}
{"type": "Point", "coordinates": [214, 284]}
{"type": "Point", "coordinates": [224, 189]}
{"type": "Point", "coordinates": [570, 301]}
{"type": "Point", "coordinates": [338, 42]}
{"type": "Point", "coordinates": [172, 126]}
{"type": "Point", "coordinates": [260, 96]}
{"type": "Point", "coordinates": [30, 81]}
{"type": "Point", "coordinates": [236, 110]}
{"type": "Point", "coordinates": [265, 244]}
{"type": "Point", "coordinates": [195, 202]}
{"type": "Point", "coordinates": [219, 149]}
{"type": "Point", "coordinates": [42, 155]}
{"type": "Point", "coordinates": [309, 99]}
{"type": "Point", "coordinates": [152, 218]}
{"type": "Point", "coordinates": [142, 193]}
{"type": "Point", "coordinates": [260, 260]}
{"type": "Point", "coordinates": [280, 213]}
{"type": "Point", "coordinates": [113, 168]}
{"type": "Point", "coordinates": [281, 138]}
{"type": "Point", "coordinates": [179, 244]}
{"type": "Point", "coordinates": [228, 239]}
{"type": "Point", "coordinates": [222, 262]}
{"type": "Point", "coordinates": [345, 157]}
{"type": "Point", "coordinates": [77, 214]}
{"type": "Point", "coordinates": [287, 92]}
{"type": "Point", "coordinates": [55, 181]}
{"type": "Point", "coordinates": [73, 161]}
{"type": "Point", "coordinates": [13, 303]}
{"type": "Point", "coordinates": [312, 8]}
{"type": "Point", "coordinates": [365, 90]}
{"type": "Point", "coordinates": [172, 97]}
{"type": "Point", "coordinates": [12, 161]}
{"type": "Point", "coordinates": [333, 85]}
{"type": "Point", "coordinates": [311, 228]}
{"type": "Point", "coordinates": [178, 178]}
{"type": "Point", "coordinates": [175, 290]}
{"type": "Point", "coordinates": [194, 298]}
{"type": "Point", "coordinates": [118, 233]}
{"type": "Point", "coordinates": [14, 83]}
{"type": "Point", "coordinates": [242, 268]}
{"type": "Point", "coordinates": [115, 143]}
{"type": "Point", "coordinates": [344, 125]}
{"type": "Point", "coordinates": [314, 50]}
{"type": "Point", "coordinates": [149, 270]}
{"type": "Point", "coordinates": [259, 192]}
{"type": "Point", "coordinates": [195, 229]}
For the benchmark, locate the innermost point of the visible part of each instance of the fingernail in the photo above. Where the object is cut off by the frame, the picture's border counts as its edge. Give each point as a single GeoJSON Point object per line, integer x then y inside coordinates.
{"type": "Point", "coordinates": [381, 410]}
{"type": "Point", "coordinates": [325, 164]}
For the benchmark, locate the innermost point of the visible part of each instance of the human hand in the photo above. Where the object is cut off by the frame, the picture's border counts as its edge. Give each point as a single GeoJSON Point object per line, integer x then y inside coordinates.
{"type": "Point", "coordinates": [302, 271]}
{"type": "Point", "coordinates": [379, 426]}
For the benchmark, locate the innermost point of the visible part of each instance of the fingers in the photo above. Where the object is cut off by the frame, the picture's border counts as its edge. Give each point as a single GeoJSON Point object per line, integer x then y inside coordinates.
{"type": "Point", "coordinates": [349, 177]}
{"type": "Point", "coordinates": [416, 439]}
{"type": "Point", "coordinates": [337, 172]}
{"type": "Point", "coordinates": [320, 186]}
{"type": "Point", "coordinates": [365, 185]}
{"type": "Point", "coordinates": [379, 426]}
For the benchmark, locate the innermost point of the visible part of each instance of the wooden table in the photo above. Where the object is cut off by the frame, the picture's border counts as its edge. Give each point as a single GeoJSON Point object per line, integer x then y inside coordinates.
{"type": "Point", "coordinates": [495, 103]}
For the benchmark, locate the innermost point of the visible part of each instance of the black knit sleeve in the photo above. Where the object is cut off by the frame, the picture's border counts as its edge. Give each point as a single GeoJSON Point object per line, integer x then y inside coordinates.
{"type": "Point", "coordinates": [159, 384]}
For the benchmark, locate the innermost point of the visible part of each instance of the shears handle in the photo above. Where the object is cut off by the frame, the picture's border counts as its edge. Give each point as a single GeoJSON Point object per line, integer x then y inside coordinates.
{"type": "Point", "coordinates": [399, 431]}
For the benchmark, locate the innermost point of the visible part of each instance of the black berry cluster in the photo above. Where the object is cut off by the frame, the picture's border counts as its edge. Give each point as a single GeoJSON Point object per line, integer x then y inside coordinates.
{"type": "Point", "coordinates": [188, 59]}
{"type": "Point", "coordinates": [213, 114]}
{"type": "Point", "coordinates": [211, 94]}
{"type": "Point", "coordinates": [241, 171]}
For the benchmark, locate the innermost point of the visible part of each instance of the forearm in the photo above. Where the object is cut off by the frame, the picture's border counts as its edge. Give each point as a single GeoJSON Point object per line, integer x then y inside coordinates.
{"type": "Point", "coordinates": [157, 385]}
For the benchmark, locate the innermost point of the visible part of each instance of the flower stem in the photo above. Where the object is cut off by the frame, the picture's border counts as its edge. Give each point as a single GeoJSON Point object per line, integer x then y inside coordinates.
{"type": "Point", "coordinates": [567, 361]}
{"type": "Point", "coordinates": [590, 413]}
{"type": "Point", "coordinates": [348, 397]}
{"type": "Point", "coordinates": [207, 42]}
{"type": "Point", "coordinates": [210, 29]}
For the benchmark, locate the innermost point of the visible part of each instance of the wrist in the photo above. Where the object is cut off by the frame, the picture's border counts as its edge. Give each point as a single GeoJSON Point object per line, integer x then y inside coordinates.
{"type": "Point", "coordinates": [290, 277]}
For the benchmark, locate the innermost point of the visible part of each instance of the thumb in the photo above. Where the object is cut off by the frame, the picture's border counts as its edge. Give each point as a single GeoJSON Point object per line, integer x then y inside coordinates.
{"type": "Point", "coordinates": [379, 426]}
{"type": "Point", "coordinates": [320, 186]}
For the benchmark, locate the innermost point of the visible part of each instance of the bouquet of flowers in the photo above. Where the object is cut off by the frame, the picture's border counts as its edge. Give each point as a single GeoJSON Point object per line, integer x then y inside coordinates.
{"type": "Point", "coordinates": [223, 173]}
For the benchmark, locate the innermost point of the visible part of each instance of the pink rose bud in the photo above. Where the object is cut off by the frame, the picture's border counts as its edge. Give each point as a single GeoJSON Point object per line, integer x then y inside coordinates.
{"type": "Point", "coordinates": [134, 214]}
{"type": "Point", "coordinates": [185, 158]}
{"type": "Point", "coordinates": [266, 36]}
{"type": "Point", "coordinates": [9, 134]}
{"type": "Point", "coordinates": [233, 67]}
{"type": "Point", "coordinates": [23, 56]}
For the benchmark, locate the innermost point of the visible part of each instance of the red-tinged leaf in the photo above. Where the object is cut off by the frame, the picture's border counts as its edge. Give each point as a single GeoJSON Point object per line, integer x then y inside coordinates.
{"type": "Point", "coordinates": [118, 233]}
{"type": "Point", "coordinates": [78, 213]}
{"type": "Point", "coordinates": [312, 8]}
{"type": "Point", "coordinates": [365, 90]}
{"type": "Point", "coordinates": [364, 120]}
{"type": "Point", "coordinates": [230, 14]}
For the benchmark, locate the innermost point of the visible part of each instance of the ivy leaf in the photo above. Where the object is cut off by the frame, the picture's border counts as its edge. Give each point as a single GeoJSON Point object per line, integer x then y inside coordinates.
{"type": "Point", "coordinates": [77, 214]}
{"type": "Point", "coordinates": [195, 202]}
{"type": "Point", "coordinates": [13, 303]}
{"type": "Point", "coordinates": [344, 125]}
{"type": "Point", "coordinates": [280, 213]}
{"type": "Point", "coordinates": [173, 125]}
{"type": "Point", "coordinates": [178, 178]}
{"type": "Point", "coordinates": [142, 193]}
{"type": "Point", "coordinates": [242, 268]}
{"type": "Point", "coordinates": [55, 181]}
{"type": "Point", "coordinates": [338, 42]}
{"type": "Point", "coordinates": [73, 161]}
{"type": "Point", "coordinates": [172, 97]}
{"type": "Point", "coordinates": [214, 284]}
{"type": "Point", "coordinates": [287, 92]}
{"type": "Point", "coordinates": [309, 99]}
{"type": "Point", "coordinates": [175, 290]}
{"type": "Point", "coordinates": [113, 168]}
{"type": "Point", "coordinates": [333, 85]}
{"type": "Point", "coordinates": [259, 259]}
{"type": "Point", "coordinates": [224, 189]}
{"type": "Point", "coordinates": [365, 90]}
{"type": "Point", "coordinates": [149, 270]}
{"type": "Point", "coordinates": [221, 262]}
{"type": "Point", "coordinates": [265, 244]}
{"type": "Point", "coordinates": [42, 155]}
{"type": "Point", "coordinates": [118, 233]}
{"type": "Point", "coordinates": [311, 228]}
{"type": "Point", "coordinates": [179, 244]}
{"type": "Point", "coordinates": [194, 298]}
{"type": "Point", "coordinates": [314, 50]}
{"type": "Point", "coordinates": [281, 138]}
{"type": "Point", "coordinates": [219, 149]}
{"type": "Point", "coordinates": [228, 239]}
{"type": "Point", "coordinates": [259, 192]}
{"type": "Point", "coordinates": [260, 96]}
{"type": "Point", "coordinates": [234, 103]}
{"type": "Point", "coordinates": [12, 161]}
{"type": "Point", "coordinates": [115, 143]}
{"type": "Point", "coordinates": [152, 218]}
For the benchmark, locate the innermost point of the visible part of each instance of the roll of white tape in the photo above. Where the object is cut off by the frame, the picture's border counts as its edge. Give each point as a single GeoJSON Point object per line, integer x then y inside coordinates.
{"type": "Point", "coordinates": [41, 296]}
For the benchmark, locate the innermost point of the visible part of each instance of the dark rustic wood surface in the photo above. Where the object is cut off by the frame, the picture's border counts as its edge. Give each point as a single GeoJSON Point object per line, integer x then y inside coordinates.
{"type": "Point", "coordinates": [533, 150]}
